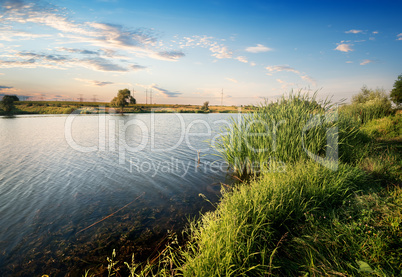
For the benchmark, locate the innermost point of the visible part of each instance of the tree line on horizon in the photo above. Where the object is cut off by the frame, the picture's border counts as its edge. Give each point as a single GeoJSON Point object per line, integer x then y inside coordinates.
{"type": "Point", "coordinates": [124, 97]}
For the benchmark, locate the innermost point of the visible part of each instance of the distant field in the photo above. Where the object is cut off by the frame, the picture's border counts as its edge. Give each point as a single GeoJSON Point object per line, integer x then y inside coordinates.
{"type": "Point", "coordinates": [64, 107]}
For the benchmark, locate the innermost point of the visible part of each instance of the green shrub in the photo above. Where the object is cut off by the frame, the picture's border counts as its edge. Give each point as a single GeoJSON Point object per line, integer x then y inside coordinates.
{"type": "Point", "coordinates": [368, 104]}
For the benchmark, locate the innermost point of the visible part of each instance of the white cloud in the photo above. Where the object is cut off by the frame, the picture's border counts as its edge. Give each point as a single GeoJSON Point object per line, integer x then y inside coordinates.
{"type": "Point", "coordinates": [366, 62]}
{"type": "Point", "coordinates": [344, 47]}
{"type": "Point", "coordinates": [349, 62]}
{"type": "Point", "coordinates": [399, 36]}
{"type": "Point", "coordinates": [232, 80]}
{"type": "Point", "coordinates": [221, 52]}
{"type": "Point", "coordinates": [278, 68]}
{"type": "Point", "coordinates": [137, 67]}
{"type": "Point", "coordinates": [242, 59]}
{"type": "Point", "coordinates": [94, 82]}
{"type": "Point", "coordinates": [286, 68]}
{"type": "Point", "coordinates": [353, 31]}
{"type": "Point", "coordinates": [170, 55]}
{"type": "Point", "coordinates": [34, 60]}
{"type": "Point", "coordinates": [165, 93]}
{"type": "Point", "coordinates": [375, 32]}
{"type": "Point", "coordinates": [258, 49]}
{"type": "Point", "coordinates": [309, 79]}
{"type": "Point", "coordinates": [11, 35]}
{"type": "Point", "coordinates": [140, 42]}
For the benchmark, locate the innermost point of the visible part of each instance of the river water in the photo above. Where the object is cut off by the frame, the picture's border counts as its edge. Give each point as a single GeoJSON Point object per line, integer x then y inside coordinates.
{"type": "Point", "coordinates": [73, 188]}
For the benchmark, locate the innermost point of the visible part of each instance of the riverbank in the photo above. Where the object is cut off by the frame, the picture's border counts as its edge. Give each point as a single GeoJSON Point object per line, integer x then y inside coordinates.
{"type": "Point", "coordinates": [310, 219]}
{"type": "Point", "coordinates": [63, 107]}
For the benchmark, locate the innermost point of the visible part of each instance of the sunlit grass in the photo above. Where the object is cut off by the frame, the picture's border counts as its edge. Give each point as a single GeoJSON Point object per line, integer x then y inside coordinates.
{"type": "Point", "coordinates": [303, 219]}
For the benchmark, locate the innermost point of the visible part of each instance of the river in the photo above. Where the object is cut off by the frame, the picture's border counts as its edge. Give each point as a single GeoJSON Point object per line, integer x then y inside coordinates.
{"type": "Point", "coordinates": [73, 188]}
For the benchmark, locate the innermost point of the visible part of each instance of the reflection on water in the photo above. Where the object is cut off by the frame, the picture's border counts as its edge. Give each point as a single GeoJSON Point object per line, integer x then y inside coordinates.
{"type": "Point", "coordinates": [54, 185]}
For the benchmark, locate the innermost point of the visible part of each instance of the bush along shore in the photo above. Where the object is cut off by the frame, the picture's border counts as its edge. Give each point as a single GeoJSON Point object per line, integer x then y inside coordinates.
{"type": "Point", "coordinates": [321, 200]}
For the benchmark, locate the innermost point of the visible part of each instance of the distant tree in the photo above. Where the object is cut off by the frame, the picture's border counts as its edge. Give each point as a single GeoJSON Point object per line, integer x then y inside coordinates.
{"type": "Point", "coordinates": [366, 95]}
{"type": "Point", "coordinates": [15, 97]}
{"type": "Point", "coordinates": [122, 99]}
{"type": "Point", "coordinates": [7, 103]}
{"type": "Point", "coordinates": [205, 107]}
{"type": "Point", "coordinates": [370, 104]}
{"type": "Point", "coordinates": [396, 92]}
{"type": "Point", "coordinates": [132, 100]}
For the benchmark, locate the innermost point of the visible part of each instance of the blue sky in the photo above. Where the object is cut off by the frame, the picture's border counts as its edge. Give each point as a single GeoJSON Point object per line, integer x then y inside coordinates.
{"type": "Point", "coordinates": [186, 52]}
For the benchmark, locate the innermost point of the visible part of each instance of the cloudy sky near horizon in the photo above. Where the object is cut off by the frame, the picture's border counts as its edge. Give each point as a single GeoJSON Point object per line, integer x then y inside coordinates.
{"type": "Point", "coordinates": [188, 51]}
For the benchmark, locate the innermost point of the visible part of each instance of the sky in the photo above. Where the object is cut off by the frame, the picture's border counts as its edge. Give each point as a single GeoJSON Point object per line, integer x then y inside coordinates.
{"type": "Point", "coordinates": [189, 52]}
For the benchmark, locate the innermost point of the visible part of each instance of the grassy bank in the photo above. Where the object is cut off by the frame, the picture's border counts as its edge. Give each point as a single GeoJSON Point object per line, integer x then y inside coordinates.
{"type": "Point", "coordinates": [307, 220]}
{"type": "Point", "coordinates": [64, 107]}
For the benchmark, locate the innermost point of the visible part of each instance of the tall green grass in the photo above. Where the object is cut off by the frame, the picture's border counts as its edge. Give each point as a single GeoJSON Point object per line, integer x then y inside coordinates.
{"type": "Point", "coordinates": [294, 128]}
{"type": "Point", "coordinates": [243, 236]}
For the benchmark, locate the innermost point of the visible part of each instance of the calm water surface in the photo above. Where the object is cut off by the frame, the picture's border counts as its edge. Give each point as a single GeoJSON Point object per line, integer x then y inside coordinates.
{"type": "Point", "coordinates": [59, 175]}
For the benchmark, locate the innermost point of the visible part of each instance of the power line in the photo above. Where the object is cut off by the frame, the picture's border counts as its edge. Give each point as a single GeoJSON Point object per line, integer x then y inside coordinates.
{"type": "Point", "coordinates": [222, 98]}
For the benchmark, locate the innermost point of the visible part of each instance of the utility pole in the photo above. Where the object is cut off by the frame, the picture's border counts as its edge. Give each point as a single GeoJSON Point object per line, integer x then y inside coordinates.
{"type": "Point", "coordinates": [94, 97]}
{"type": "Point", "coordinates": [80, 99]}
{"type": "Point", "coordinates": [146, 96]}
{"type": "Point", "coordinates": [222, 98]}
{"type": "Point", "coordinates": [151, 97]}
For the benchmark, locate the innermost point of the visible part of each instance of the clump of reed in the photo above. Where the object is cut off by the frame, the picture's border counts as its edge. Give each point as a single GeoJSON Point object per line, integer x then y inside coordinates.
{"type": "Point", "coordinates": [296, 127]}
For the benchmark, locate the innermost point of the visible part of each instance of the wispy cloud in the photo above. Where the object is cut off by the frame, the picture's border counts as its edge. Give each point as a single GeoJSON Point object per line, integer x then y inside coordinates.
{"type": "Point", "coordinates": [79, 51]}
{"type": "Point", "coordinates": [221, 52]}
{"type": "Point", "coordinates": [344, 47]}
{"type": "Point", "coordinates": [11, 35]}
{"type": "Point", "coordinates": [367, 61]}
{"type": "Point", "coordinates": [170, 55]}
{"type": "Point", "coordinates": [34, 60]}
{"type": "Point", "coordinates": [101, 64]}
{"type": "Point", "coordinates": [309, 79]}
{"type": "Point", "coordinates": [232, 80]}
{"type": "Point", "coordinates": [375, 32]}
{"type": "Point", "coordinates": [218, 50]}
{"type": "Point", "coordinates": [258, 49]}
{"type": "Point", "coordinates": [286, 68]}
{"type": "Point", "coordinates": [94, 82]}
{"type": "Point", "coordinates": [5, 88]}
{"type": "Point", "coordinates": [278, 68]}
{"type": "Point", "coordinates": [242, 59]}
{"type": "Point", "coordinates": [164, 92]}
{"type": "Point", "coordinates": [137, 67]}
{"type": "Point", "coordinates": [354, 31]}
{"type": "Point", "coordinates": [139, 42]}
{"type": "Point", "coordinates": [399, 37]}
